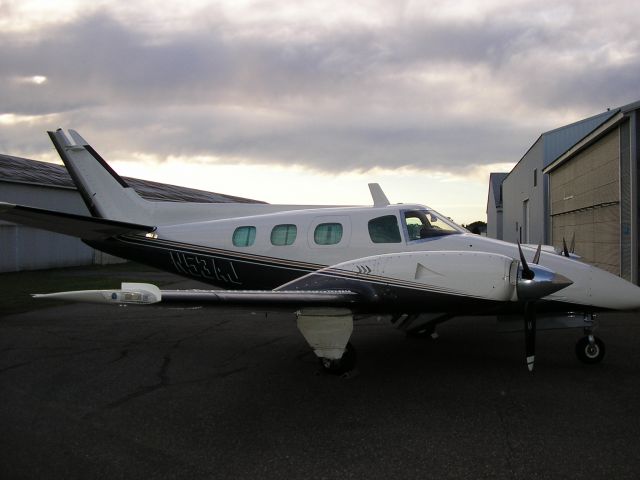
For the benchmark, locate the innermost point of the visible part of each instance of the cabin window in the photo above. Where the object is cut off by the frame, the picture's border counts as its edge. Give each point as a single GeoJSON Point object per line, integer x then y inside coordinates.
{"type": "Point", "coordinates": [422, 224]}
{"type": "Point", "coordinates": [384, 229]}
{"type": "Point", "coordinates": [244, 236]}
{"type": "Point", "coordinates": [328, 233]}
{"type": "Point", "coordinates": [414, 225]}
{"type": "Point", "coordinates": [283, 234]}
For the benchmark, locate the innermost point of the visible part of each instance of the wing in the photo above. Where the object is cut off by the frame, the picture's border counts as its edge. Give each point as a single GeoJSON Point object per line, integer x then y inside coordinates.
{"type": "Point", "coordinates": [147, 294]}
{"type": "Point", "coordinates": [88, 228]}
{"type": "Point", "coordinates": [402, 282]}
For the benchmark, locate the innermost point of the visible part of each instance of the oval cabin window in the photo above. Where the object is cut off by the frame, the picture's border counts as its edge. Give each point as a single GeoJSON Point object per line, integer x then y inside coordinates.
{"type": "Point", "coordinates": [244, 236]}
{"type": "Point", "coordinates": [328, 234]}
{"type": "Point", "coordinates": [283, 235]}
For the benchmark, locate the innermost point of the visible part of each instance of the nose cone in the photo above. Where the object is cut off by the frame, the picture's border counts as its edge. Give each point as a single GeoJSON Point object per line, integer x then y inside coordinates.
{"type": "Point", "coordinates": [544, 282]}
{"type": "Point", "coordinates": [612, 292]}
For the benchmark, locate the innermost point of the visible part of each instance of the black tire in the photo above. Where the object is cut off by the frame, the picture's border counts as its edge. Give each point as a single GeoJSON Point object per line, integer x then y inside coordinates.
{"type": "Point", "coordinates": [590, 354]}
{"type": "Point", "coordinates": [343, 365]}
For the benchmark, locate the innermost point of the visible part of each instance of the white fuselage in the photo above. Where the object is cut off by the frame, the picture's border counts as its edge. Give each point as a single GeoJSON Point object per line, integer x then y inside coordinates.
{"type": "Point", "coordinates": [253, 236]}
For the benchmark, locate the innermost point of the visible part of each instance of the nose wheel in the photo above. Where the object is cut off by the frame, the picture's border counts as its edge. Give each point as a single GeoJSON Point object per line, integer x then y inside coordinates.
{"type": "Point", "coordinates": [590, 349]}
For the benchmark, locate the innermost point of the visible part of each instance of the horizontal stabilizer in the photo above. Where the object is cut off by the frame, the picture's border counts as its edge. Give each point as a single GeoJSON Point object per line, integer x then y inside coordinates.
{"type": "Point", "coordinates": [88, 228]}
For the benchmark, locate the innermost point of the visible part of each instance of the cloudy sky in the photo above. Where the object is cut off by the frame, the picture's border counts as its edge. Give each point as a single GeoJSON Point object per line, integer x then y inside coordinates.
{"type": "Point", "coordinates": [308, 101]}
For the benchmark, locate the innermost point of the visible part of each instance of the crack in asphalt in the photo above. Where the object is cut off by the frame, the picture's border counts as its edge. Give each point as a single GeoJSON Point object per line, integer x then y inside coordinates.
{"type": "Point", "coordinates": [163, 375]}
{"type": "Point", "coordinates": [163, 380]}
{"type": "Point", "coordinates": [16, 365]}
{"type": "Point", "coordinates": [47, 357]}
{"type": "Point", "coordinates": [123, 354]}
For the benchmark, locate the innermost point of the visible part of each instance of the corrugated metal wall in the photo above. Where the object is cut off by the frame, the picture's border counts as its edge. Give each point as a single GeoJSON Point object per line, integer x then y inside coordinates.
{"type": "Point", "coordinates": [25, 248]}
{"type": "Point", "coordinates": [625, 202]}
{"type": "Point", "coordinates": [584, 194]}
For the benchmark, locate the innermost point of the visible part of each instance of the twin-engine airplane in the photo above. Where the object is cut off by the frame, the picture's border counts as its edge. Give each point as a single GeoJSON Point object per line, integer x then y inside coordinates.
{"type": "Point", "coordinates": [332, 265]}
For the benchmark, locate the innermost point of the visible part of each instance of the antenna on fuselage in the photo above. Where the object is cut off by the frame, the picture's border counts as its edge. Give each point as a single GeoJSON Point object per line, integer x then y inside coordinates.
{"type": "Point", "coordinates": [379, 198]}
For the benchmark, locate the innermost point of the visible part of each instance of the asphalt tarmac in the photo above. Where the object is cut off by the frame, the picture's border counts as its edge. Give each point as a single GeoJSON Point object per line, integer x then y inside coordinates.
{"type": "Point", "coordinates": [93, 392]}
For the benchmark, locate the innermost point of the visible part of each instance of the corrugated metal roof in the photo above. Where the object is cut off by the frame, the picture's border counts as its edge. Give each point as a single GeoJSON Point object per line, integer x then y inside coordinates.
{"type": "Point", "coordinates": [22, 170]}
{"type": "Point", "coordinates": [630, 106]}
{"type": "Point", "coordinates": [558, 141]}
{"type": "Point", "coordinates": [585, 141]}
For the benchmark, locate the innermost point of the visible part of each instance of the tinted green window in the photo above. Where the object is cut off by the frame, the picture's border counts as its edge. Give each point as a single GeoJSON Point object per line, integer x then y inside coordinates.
{"type": "Point", "coordinates": [328, 234]}
{"type": "Point", "coordinates": [244, 236]}
{"type": "Point", "coordinates": [384, 229]}
{"type": "Point", "coordinates": [283, 234]}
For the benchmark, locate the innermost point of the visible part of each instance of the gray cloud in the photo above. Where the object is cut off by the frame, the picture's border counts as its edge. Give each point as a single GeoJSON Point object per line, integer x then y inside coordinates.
{"type": "Point", "coordinates": [417, 91]}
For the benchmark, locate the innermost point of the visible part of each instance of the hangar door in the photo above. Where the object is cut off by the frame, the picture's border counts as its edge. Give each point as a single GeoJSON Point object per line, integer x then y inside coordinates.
{"type": "Point", "coordinates": [585, 203]}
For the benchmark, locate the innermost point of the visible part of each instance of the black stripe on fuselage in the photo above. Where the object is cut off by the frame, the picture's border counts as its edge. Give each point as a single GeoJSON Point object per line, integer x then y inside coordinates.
{"type": "Point", "coordinates": [223, 268]}
{"type": "Point", "coordinates": [238, 271]}
{"type": "Point", "coordinates": [274, 262]}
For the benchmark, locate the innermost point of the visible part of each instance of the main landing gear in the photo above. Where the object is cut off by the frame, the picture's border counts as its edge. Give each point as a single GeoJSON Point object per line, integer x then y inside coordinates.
{"type": "Point", "coordinates": [342, 366]}
{"type": "Point", "coordinates": [327, 331]}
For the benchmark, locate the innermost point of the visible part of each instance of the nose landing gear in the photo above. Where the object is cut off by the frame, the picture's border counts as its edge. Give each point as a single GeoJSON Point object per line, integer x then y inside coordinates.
{"type": "Point", "coordinates": [590, 349]}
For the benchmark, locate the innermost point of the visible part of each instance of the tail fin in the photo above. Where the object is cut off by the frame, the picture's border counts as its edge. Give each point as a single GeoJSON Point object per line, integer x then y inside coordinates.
{"type": "Point", "coordinates": [104, 192]}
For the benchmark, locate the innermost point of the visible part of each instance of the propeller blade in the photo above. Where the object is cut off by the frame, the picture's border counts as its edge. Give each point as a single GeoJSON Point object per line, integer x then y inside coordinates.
{"type": "Point", "coordinates": [536, 257]}
{"type": "Point", "coordinates": [565, 250]}
{"type": "Point", "coordinates": [527, 273]}
{"type": "Point", "coordinates": [530, 333]}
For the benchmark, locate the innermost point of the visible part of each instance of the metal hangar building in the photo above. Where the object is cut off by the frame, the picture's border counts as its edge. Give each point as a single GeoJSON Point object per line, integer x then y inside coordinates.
{"type": "Point", "coordinates": [47, 185]}
{"type": "Point", "coordinates": [577, 183]}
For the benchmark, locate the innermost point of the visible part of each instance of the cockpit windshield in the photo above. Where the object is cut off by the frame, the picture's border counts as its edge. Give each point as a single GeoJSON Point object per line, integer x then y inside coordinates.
{"type": "Point", "coordinates": [422, 224]}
